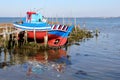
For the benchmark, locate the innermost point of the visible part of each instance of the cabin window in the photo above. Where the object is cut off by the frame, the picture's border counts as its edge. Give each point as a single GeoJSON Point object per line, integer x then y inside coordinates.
{"type": "Point", "coordinates": [39, 20]}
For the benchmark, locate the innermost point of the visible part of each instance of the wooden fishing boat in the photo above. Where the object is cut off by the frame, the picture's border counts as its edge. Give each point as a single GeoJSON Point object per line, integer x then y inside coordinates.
{"type": "Point", "coordinates": [37, 27]}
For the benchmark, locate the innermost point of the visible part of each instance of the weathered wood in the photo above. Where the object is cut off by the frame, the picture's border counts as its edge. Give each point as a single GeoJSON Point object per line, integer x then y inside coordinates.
{"type": "Point", "coordinates": [34, 36]}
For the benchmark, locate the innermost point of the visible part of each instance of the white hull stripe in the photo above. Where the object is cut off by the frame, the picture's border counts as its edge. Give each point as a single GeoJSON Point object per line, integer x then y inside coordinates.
{"type": "Point", "coordinates": [31, 27]}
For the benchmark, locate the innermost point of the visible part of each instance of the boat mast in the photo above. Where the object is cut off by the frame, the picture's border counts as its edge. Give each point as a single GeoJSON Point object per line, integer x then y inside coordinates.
{"type": "Point", "coordinates": [63, 20]}
{"type": "Point", "coordinates": [75, 24]}
{"type": "Point", "coordinates": [56, 19]}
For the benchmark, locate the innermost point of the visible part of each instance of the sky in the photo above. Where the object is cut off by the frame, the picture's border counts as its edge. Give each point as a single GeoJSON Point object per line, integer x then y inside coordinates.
{"type": "Point", "coordinates": [61, 8]}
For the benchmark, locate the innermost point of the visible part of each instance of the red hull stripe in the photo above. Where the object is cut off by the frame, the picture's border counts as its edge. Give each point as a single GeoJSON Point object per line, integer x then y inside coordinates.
{"type": "Point", "coordinates": [53, 40]}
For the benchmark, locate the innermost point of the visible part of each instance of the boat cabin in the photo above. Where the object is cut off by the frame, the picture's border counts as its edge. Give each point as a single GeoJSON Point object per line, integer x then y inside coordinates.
{"type": "Point", "coordinates": [33, 17]}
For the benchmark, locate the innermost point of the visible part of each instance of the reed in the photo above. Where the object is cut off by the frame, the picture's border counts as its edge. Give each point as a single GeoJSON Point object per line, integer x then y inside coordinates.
{"type": "Point", "coordinates": [79, 34]}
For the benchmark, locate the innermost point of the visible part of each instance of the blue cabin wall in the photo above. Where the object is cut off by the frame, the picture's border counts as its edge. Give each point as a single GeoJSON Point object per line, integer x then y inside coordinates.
{"type": "Point", "coordinates": [36, 18]}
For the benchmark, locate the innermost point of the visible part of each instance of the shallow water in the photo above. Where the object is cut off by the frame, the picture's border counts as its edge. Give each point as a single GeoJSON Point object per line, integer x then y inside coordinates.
{"type": "Point", "coordinates": [96, 58]}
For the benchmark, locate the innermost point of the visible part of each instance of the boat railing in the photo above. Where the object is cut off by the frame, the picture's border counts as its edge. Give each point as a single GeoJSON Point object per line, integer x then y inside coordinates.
{"type": "Point", "coordinates": [60, 27]}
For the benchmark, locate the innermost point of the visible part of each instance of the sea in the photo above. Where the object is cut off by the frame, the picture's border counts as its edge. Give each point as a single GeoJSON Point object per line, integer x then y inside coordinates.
{"type": "Point", "coordinates": [96, 58]}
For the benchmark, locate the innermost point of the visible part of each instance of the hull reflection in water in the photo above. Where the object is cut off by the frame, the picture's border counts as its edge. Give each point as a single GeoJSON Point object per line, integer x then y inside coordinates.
{"type": "Point", "coordinates": [59, 56]}
{"type": "Point", "coordinates": [47, 60]}
{"type": "Point", "coordinates": [23, 56]}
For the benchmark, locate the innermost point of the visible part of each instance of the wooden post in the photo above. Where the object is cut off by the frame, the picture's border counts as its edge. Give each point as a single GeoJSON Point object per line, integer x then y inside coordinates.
{"type": "Point", "coordinates": [63, 20]}
{"type": "Point", "coordinates": [52, 20]}
{"type": "Point", "coordinates": [26, 41]}
{"type": "Point", "coordinates": [46, 56]}
{"type": "Point", "coordinates": [45, 40]}
{"type": "Point", "coordinates": [78, 26]}
{"type": "Point", "coordinates": [4, 38]}
{"type": "Point", "coordinates": [5, 55]}
{"type": "Point", "coordinates": [16, 40]}
{"type": "Point", "coordinates": [56, 19]}
{"type": "Point", "coordinates": [96, 32]}
{"type": "Point", "coordinates": [34, 36]}
{"type": "Point", "coordinates": [75, 25]}
{"type": "Point", "coordinates": [10, 29]}
{"type": "Point", "coordinates": [84, 26]}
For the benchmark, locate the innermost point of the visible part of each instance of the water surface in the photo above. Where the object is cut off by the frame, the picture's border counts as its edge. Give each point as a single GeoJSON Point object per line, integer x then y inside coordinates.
{"type": "Point", "coordinates": [96, 58]}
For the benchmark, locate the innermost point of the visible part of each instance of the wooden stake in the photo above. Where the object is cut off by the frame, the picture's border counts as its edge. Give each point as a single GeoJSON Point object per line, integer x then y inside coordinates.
{"type": "Point", "coordinates": [46, 40]}
{"type": "Point", "coordinates": [75, 24]}
{"type": "Point", "coordinates": [17, 38]}
{"type": "Point", "coordinates": [63, 20]}
{"type": "Point", "coordinates": [4, 38]}
{"type": "Point", "coordinates": [34, 36]}
{"type": "Point", "coordinates": [26, 41]}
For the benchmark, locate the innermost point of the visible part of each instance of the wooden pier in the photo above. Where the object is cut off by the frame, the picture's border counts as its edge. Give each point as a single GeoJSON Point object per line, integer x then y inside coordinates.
{"type": "Point", "coordinates": [8, 34]}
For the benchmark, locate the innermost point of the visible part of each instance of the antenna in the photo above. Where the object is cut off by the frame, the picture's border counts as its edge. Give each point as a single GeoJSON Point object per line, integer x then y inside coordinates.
{"type": "Point", "coordinates": [56, 19]}
{"type": "Point", "coordinates": [39, 9]}
{"type": "Point", "coordinates": [20, 16]}
{"type": "Point", "coordinates": [34, 9]}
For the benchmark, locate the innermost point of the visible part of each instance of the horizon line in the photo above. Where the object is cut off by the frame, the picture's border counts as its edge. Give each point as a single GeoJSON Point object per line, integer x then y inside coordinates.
{"type": "Point", "coordinates": [65, 17]}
